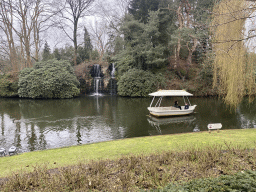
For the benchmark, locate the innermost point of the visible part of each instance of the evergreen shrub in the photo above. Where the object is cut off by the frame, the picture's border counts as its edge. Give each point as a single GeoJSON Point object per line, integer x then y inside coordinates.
{"type": "Point", "coordinates": [48, 79]}
{"type": "Point", "coordinates": [242, 181]}
{"type": "Point", "coordinates": [8, 85]}
{"type": "Point", "coordinates": [138, 83]}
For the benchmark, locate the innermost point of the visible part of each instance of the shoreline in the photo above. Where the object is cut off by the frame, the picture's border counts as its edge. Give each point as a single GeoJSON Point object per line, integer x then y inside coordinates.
{"type": "Point", "coordinates": [66, 156]}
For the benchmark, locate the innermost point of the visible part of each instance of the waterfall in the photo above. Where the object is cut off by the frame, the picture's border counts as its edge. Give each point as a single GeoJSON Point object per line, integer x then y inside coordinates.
{"type": "Point", "coordinates": [112, 84]}
{"type": "Point", "coordinates": [97, 79]}
{"type": "Point", "coordinates": [97, 85]}
{"type": "Point", "coordinates": [113, 71]}
{"type": "Point", "coordinates": [96, 70]}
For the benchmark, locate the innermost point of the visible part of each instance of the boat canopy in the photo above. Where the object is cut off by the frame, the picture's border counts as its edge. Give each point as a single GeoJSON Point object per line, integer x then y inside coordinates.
{"type": "Point", "coordinates": [162, 93]}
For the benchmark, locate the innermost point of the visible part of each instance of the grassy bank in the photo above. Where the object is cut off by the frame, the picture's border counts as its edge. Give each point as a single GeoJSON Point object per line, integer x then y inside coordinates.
{"type": "Point", "coordinates": [63, 157]}
{"type": "Point", "coordinates": [151, 163]}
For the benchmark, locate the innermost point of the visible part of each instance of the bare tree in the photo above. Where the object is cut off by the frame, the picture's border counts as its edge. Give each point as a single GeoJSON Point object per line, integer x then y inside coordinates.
{"type": "Point", "coordinates": [100, 36]}
{"type": "Point", "coordinates": [22, 8]}
{"type": "Point", "coordinates": [113, 12]}
{"type": "Point", "coordinates": [22, 22]}
{"type": "Point", "coordinates": [6, 20]}
{"type": "Point", "coordinates": [43, 13]}
{"type": "Point", "coordinates": [108, 19]}
{"type": "Point", "coordinates": [73, 11]}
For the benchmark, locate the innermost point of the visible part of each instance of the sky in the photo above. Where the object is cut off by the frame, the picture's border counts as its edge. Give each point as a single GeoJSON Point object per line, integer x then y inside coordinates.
{"type": "Point", "coordinates": [250, 30]}
{"type": "Point", "coordinates": [101, 14]}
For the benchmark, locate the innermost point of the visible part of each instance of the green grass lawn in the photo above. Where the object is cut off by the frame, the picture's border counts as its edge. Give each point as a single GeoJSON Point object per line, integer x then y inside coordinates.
{"type": "Point", "coordinates": [60, 157]}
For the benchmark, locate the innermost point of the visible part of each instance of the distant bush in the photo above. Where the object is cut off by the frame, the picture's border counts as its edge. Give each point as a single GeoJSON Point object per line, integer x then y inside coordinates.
{"type": "Point", "coordinates": [48, 79]}
{"type": "Point", "coordinates": [138, 83]}
{"type": "Point", "coordinates": [243, 181]}
{"type": "Point", "coordinates": [8, 85]}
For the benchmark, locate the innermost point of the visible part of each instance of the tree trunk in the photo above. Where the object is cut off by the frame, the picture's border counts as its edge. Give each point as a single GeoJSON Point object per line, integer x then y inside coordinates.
{"type": "Point", "coordinates": [36, 41]}
{"type": "Point", "coordinates": [190, 53]}
{"type": "Point", "coordinates": [36, 30]}
{"type": "Point", "coordinates": [177, 49]}
{"type": "Point", "coordinates": [22, 63]}
{"type": "Point", "coordinates": [25, 33]}
{"type": "Point", "coordinates": [75, 41]}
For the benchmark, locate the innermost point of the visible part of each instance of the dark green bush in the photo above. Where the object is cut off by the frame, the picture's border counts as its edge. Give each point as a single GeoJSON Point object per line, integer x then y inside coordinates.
{"type": "Point", "coordinates": [48, 79]}
{"type": "Point", "coordinates": [138, 83]}
{"type": "Point", "coordinates": [8, 85]}
{"type": "Point", "coordinates": [242, 181]}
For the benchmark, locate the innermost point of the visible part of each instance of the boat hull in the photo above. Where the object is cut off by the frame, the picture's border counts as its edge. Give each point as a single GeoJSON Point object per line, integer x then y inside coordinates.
{"type": "Point", "coordinates": [170, 111]}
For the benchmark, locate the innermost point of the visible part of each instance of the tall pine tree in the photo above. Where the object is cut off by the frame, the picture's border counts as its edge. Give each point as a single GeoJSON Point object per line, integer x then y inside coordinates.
{"type": "Point", "coordinates": [84, 52]}
{"type": "Point", "coordinates": [142, 46]}
{"type": "Point", "coordinates": [87, 44]}
{"type": "Point", "coordinates": [140, 9]}
{"type": "Point", "coordinates": [46, 52]}
{"type": "Point", "coordinates": [56, 54]}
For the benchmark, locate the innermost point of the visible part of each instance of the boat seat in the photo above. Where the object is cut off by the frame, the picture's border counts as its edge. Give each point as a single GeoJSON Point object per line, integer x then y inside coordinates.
{"type": "Point", "coordinates": [175, 108]}
{"type": "Point", "coordinates": [170, 108]}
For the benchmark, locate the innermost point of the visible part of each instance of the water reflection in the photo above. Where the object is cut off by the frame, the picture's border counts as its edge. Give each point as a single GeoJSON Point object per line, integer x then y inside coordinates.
{"type": "Point", "coordinates": [43, 124]}
{"type": "Point", "coordinates": [196, 129]}
{"type": "Point", "coordinates": [247, 114]}
{"type": "Point", "coordinates": [170, 120]}
{"type": "Point", "coordinates": [170, 125]}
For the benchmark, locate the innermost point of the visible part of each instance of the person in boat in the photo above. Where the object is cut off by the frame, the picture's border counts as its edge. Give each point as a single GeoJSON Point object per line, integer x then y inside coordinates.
{"type": "Point", "coordinates": [186, 106]}
{"type": "Point", "coordinates": [177, 105]}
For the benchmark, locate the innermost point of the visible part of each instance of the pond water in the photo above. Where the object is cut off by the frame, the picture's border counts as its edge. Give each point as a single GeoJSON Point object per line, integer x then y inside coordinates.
{"type": "Point", "coordinates": [43, 124]}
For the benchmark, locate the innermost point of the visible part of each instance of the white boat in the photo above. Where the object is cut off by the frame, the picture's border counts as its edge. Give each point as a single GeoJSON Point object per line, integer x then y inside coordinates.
{"type": "Point", "coordinates": [160, 111]}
